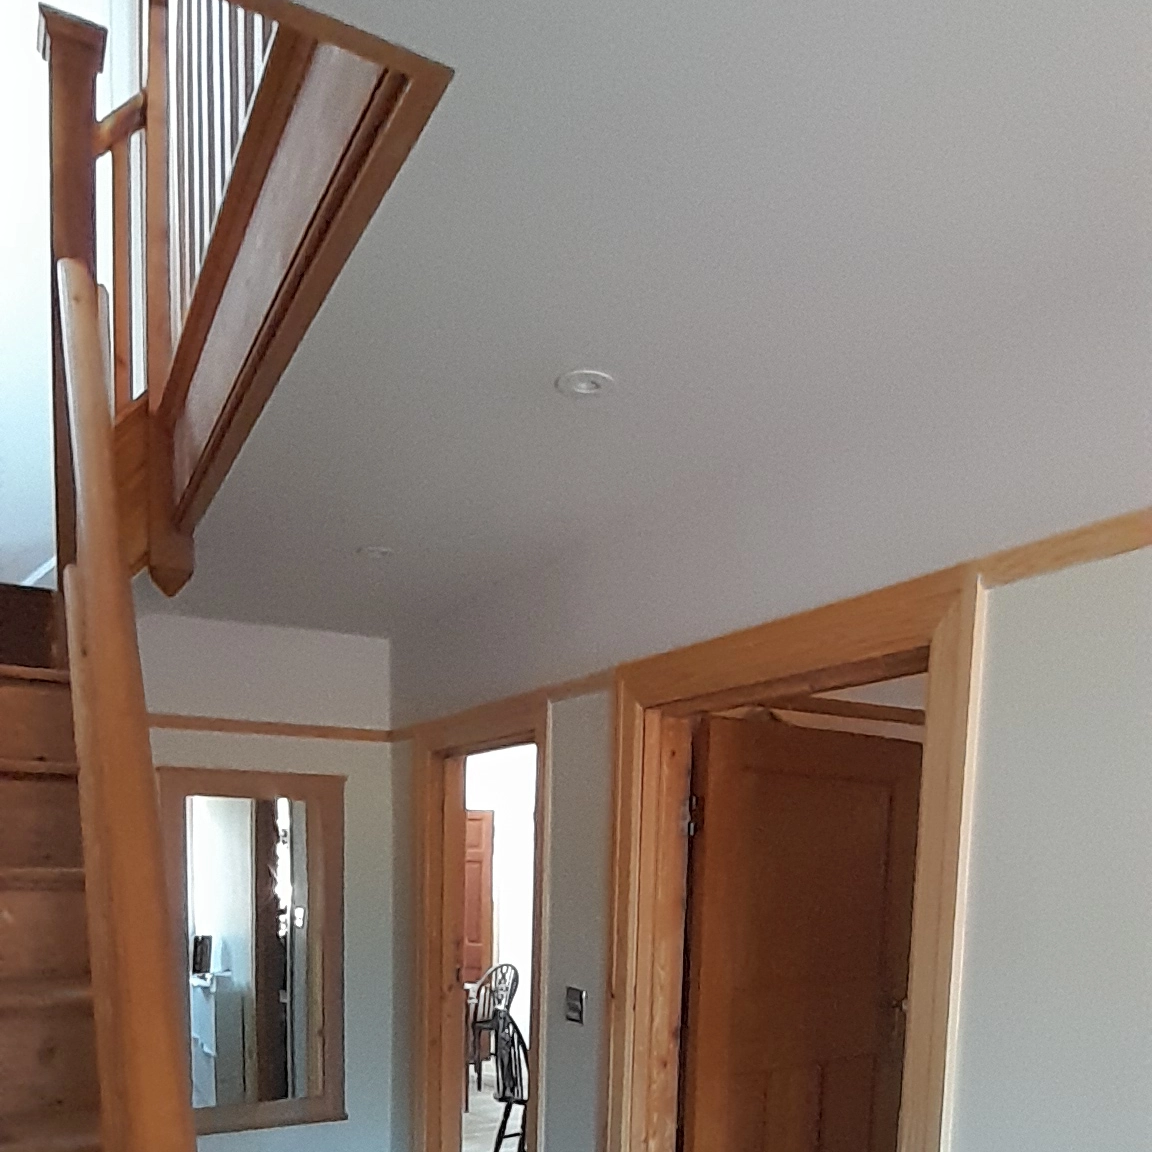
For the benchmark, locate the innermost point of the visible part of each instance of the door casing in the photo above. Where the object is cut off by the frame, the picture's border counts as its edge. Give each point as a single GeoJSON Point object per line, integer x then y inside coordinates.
{"type": "Point", "coordinates": [438, 756]}
{"type": "Point", "coordinates": [933, 624]}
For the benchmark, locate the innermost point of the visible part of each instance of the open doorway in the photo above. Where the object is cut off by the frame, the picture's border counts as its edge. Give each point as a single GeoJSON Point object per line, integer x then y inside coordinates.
{"type": "Point", "coordinates": [498, 943]}
{"type": "Point", "coordinates": [800, 880]}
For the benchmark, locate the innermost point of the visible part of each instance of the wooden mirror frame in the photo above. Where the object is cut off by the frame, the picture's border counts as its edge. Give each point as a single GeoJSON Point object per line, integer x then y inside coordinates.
{"type": "Point", "coordinates": [324, 797]}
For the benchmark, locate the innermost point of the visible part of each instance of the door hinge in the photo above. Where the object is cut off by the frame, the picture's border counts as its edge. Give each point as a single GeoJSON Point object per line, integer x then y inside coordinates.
{"type": "Point", "coordinates": [694, 815]}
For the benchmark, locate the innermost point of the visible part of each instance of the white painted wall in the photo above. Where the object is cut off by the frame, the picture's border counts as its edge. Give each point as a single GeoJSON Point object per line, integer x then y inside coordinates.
{"type": "Point", "coordinates": [577, 915]}
{"type": "Point", "coordinates": [216, 668]}
{"type": "Point", "coordinates": [258, 672]}
{"type": "Point", "coordinates": [504, 782]}
{"type": "Point", "coordinates": [1054, 1046]}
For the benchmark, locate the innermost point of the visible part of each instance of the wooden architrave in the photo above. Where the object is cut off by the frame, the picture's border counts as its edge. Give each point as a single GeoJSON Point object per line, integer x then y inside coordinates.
{"type": "Point", "coordinates": [350, 124]}
{"type": "Point", "coordinates": [324, 796]}
{"type": "Point", "coordinates": [936, 622]}
{"type": "Point", "coordinates": [438, 754]}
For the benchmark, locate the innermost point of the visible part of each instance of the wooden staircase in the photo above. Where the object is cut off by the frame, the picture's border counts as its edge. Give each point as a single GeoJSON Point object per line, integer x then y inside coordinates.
{"type": "Point", "coordinates": [49, 1085]}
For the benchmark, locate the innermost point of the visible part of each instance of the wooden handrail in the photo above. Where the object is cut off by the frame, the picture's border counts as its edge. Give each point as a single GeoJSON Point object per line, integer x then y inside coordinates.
{"type": "Point", "coordinates": [119, 124]}
{"type": "Point", "coordinates": [141, 1036]}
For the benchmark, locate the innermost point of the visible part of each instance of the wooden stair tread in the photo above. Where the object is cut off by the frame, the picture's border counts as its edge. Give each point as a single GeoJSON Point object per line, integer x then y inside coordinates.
{"type": "Point", "coordinates": [39, 995]}
{"type": "Point", "coordinates": [17, 767]}
{"type": "Point", "coordinates": [22, 672]}
{"type": "Point", "coordinates": [41, 879]}
{"type": "Point", "coordinates": [51, 1132]}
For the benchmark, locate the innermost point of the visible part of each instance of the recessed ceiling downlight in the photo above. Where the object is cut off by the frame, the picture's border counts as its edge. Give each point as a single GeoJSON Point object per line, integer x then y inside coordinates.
{"type": "Point", "coordinates": [584, 382]}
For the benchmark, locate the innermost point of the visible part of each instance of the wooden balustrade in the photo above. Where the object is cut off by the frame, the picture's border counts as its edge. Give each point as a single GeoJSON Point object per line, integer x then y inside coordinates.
{"type": "Point", "coordinates": [141, 1036]}
{"type": "Point", "coordinates": [243, 174]}
{"type": "Point", "coordinates": [217, 53]}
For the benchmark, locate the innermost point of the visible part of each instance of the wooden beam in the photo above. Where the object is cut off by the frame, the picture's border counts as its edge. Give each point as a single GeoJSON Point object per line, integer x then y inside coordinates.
{"type": "Point", "coordinates": [852, 709]}
{"type": "Point", "coordinates": [179, 722]}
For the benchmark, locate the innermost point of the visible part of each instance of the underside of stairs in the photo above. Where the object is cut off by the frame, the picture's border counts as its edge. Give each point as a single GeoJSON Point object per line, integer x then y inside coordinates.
{"type": "Point", "coordinates": [49, 1090]}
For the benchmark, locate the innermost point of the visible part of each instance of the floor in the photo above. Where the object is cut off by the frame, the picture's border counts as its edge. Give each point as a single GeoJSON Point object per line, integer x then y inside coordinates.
{"type": "Point", "coordinates": [483, 1117]}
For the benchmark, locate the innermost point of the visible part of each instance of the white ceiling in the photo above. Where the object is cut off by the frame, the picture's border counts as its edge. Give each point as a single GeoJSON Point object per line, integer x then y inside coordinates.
{"type": "Point", "coordinates": [863, 254]}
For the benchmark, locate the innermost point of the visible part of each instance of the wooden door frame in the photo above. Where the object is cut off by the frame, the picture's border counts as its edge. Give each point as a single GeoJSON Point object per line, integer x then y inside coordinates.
{"type": "Point", "coordinates": [438, 754]}
{"type": "Point", "coordinates": [934, 624]}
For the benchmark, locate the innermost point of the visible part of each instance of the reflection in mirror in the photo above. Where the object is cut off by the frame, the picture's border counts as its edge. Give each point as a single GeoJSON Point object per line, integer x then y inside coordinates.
{"type": "Point", "coordinates": [251, 976]}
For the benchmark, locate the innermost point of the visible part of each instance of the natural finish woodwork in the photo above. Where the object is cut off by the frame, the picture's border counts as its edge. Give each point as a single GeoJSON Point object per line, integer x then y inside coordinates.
{"type": "Point", "coordinates": [351, 128]}
{"type": "Point", "coordinates": [21, 672]}
{"type": "Point", "coordinates": [121, 277]}
{"type": "Point", "coordinates": [317, 114]}
{"type": "Point", "coordinates": [437, 1043]}
{"type": "Point", "coordinates": [49, 1082]}
{"type": "Point", "coordinates": [28, 628]}
{"type": "Point", "coordinates": [216, 63]}
{"type": "Point", "coordinates": [170, 551]}
{"type": "Point", "coordinates": [845, 637]}
{"type": "Point", "coordinates": [268, 148]}
{"type": "Point", "coordinates": [119, 124]}
{"type": "Point", "coordinates": [663, 863]}
{"type": "Point", "coordinates": [932, 622]}
{"type": "Point", "coordinates": [852, 709]}
{"type": "Point", "coordinates": [941, 866]}
{"type": "Point", "coordinates": [36, 720]}
{"type": "Point", "coordinates": [139, 1027]}
{"type": "Point", "coordinates": [41, 819]}
{"type": "Point", "coordinates": [766, 693]}
{"type": "Point", "coordinates": [800, 916]}
{"type": "Point", "coordinates": [182, 723]}
{"type": "Point", "coordinates": [74, 50]}
{"type": "Point", "coordinates": [130, 456]}
{"type": "Point", "coordinates": [264, 122]}
{"type": "Point", "coordinates": [893, 620]}
{"type": "Point", "coordinates": [478, 901]}
{"type": "Point", "coordinates": [887, 729]}
{"type": "Point", "coordinates": [1095, 541]}
{"type": "Point", "coordinates": [324, 797]}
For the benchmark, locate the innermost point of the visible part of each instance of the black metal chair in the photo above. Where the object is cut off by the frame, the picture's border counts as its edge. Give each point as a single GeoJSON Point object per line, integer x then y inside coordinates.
{"type": "Point", "coordinates": [511, 1079]}
{"type": "Point", "coordinates": [495, 991]}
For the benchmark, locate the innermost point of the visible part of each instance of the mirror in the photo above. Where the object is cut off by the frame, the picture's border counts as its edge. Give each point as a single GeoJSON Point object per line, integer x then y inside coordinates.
{"type": "Point", "coordinates": [247, 903]}
{"type": "Point", "coordinates": [259, 927]}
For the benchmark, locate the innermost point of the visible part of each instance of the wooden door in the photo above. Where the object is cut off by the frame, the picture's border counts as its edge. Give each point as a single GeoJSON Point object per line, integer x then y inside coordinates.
{"type": "Point", "coordinates": [477, 895]}
{"type": "Point", "coordinates": [799, 930]}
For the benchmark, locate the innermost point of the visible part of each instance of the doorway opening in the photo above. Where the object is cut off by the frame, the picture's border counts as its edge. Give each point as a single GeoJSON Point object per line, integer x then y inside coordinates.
{"type": "Point", "coordinates": [497, 969]}
{"type": "Point", "coordinates": [800, 878]}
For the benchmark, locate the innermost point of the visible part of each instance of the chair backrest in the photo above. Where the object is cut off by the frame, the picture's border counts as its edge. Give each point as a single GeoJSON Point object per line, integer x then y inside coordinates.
{"type": "Point", "coordinates": [511, 1061]}
{"type": "Point", "coordinates": [495, 991]}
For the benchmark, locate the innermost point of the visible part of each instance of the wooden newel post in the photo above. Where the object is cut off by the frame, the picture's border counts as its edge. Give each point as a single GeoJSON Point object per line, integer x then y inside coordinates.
{"type": "Point", "coordinates": [74, 50]}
